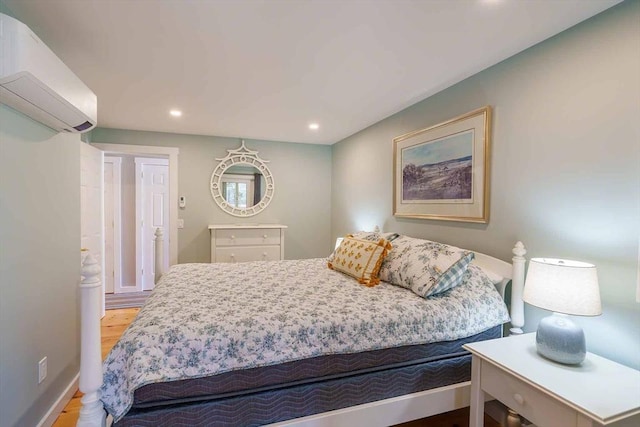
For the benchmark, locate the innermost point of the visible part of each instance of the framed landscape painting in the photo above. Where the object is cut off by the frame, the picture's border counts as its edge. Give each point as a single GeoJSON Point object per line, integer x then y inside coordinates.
{"type": "Point", "coordinates": [442, 172]}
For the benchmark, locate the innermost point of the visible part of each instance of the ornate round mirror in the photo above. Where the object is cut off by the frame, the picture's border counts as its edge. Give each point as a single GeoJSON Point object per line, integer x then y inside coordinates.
{"type": "Point", "coordinates": [242, 184]}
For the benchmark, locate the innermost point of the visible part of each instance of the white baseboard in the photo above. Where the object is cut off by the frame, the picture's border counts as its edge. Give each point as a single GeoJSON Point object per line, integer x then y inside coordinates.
{"type": "Point", "coordinates": [56, 409]}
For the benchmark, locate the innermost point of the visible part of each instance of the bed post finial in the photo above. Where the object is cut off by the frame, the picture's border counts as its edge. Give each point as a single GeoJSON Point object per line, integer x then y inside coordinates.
{"type": "Point", "coordinates": [159, 264]}
{"type": "Point", "coordinates": [92, 413]}
{"type": "Point", "coordinates": [517, 288]}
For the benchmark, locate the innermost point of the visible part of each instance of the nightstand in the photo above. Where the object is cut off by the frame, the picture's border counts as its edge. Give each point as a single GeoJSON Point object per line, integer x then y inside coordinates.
{"type": "Point", "coordinates": [597, 392]}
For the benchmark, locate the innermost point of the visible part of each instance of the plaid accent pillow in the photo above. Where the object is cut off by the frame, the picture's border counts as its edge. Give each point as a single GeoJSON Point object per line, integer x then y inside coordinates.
{"type": "Point", "coordinates": [427, 268]}
{"type": "Point", "coordinates": [360, 258]}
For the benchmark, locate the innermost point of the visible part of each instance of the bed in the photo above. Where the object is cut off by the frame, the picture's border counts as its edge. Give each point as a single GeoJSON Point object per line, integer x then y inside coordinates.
{"type": "Point", "coordinates": [295, 343]}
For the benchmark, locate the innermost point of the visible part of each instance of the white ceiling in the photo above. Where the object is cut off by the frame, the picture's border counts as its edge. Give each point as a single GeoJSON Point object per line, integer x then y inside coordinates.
{"type": "Point", "coordinates": [266, 69]}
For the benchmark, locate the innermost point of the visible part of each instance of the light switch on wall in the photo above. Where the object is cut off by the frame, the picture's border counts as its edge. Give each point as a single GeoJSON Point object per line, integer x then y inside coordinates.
{"type": "Point", "coordinates": [180, 223]}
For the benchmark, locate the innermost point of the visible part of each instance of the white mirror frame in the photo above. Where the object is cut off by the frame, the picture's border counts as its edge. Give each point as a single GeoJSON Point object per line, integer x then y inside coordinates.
{"type": "Point", "coordinates": [242, 156]}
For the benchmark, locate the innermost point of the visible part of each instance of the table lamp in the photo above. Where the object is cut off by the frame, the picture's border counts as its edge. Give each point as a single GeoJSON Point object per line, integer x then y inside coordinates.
{"type": "Point", "coordinates": [564, 287]}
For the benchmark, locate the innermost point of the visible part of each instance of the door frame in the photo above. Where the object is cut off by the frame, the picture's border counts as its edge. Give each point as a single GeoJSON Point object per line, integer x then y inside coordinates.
{"type": "Point", "coordinates": [117, 223]}
{"type": "Point", "coordinates": [172, 153]}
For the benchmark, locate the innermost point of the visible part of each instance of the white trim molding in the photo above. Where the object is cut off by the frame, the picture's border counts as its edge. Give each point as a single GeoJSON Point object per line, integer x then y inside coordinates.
{"type": "Point", "coordinates": [58, 406]}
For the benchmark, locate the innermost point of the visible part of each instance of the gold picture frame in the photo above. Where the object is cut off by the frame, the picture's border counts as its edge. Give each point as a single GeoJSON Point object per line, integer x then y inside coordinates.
{"type": "Point", "coordinates": [442, 172]}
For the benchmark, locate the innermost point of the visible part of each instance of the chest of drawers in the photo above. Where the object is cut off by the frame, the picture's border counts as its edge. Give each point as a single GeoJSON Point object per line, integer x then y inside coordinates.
{"type": "Point", "coordinates": [240, 243]}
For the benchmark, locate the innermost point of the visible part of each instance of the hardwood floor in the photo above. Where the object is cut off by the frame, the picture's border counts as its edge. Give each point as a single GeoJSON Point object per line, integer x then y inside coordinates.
{"type": "Point", "coordinates": [459, 418]}
{"type": "Point", "coordinates": [113, 325]}
{"type": "Point", "coordinates": [116, 321]}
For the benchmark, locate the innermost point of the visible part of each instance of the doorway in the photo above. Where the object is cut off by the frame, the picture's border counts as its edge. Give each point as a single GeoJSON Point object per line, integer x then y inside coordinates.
{"type": "Point", "coordinates": [146, 178]}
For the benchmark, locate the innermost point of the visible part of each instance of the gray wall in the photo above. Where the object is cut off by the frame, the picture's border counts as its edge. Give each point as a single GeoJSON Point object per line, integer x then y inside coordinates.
{"type": "Point", "coordinates": [302, 201]}
{"type": "Point", "coordinates": [565, 165]}
{"type": "Point", "coordinates": [39, 265]}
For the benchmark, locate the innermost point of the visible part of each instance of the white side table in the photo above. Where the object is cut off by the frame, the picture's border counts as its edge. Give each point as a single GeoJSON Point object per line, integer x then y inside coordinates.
{"type": "Point", "coordinates": [597, 392]}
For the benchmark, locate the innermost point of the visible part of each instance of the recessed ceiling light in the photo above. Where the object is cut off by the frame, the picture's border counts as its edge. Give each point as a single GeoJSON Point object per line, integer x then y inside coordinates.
{"type": "Point", "coordinates": [314, 126]}
{"type": "Point", "coordinates": [175, 113]}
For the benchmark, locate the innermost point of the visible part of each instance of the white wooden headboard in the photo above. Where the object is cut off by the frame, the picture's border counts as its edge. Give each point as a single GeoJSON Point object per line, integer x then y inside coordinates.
{"type": "Point", "coordinates": [501, 273]}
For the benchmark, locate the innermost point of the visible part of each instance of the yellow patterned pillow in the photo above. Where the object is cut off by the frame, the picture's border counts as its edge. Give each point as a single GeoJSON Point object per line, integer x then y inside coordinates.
{"type": "Point", "coordinates": [360, 258]}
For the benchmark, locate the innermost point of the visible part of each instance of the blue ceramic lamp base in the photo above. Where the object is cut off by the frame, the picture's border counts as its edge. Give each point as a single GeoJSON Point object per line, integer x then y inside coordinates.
{"type": "Point", "coordinates": [561, 340]}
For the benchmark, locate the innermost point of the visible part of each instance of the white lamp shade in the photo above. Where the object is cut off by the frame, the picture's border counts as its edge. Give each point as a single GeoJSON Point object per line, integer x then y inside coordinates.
{"type": "Point", "coordinates": [563, 286]}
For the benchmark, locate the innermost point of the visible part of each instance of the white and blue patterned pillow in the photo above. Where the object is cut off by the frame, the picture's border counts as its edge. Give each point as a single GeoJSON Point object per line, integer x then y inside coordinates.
{"type": "Point", "coordinates": [427, 268]}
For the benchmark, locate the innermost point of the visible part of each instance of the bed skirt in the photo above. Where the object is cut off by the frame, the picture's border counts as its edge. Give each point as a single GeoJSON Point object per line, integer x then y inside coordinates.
{"type": "Point", "coordinates": [299, 398]}
{"type": "Point", "coordinates": [298, 401]}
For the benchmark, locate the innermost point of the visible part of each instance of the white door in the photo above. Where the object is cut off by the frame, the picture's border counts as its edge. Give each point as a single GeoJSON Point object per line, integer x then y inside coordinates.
{"type": "Point", "coordinates": [152, 211]}
{"type": "Point", "coordinates": [91, 204]}
{"type": "Point", "coordinates": [112, 224]}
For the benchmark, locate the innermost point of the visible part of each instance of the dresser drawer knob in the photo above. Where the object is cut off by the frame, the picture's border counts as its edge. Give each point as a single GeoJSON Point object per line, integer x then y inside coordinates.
{"type": "Point", "coordinates": [233, 237]}
{"type": "Point", "coordinates": [519, 399]}
{"type": "Point", "coordinates": [264, 236]}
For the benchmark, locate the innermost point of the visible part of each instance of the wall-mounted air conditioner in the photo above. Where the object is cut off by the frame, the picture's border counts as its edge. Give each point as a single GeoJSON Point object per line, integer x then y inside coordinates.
{"type": "Point", "coordinates": [34, 81]}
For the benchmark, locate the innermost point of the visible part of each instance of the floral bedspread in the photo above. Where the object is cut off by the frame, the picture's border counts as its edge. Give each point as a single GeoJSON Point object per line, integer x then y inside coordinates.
{"type": "Point", "coordinates": [205, 319]}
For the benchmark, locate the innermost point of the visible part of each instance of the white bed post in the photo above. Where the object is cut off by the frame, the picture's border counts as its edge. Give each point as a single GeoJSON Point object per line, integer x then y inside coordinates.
{"type": "Point", "coordinates": [517, 287]}
{"type": "Point", "coordinates": [92, 413]}
{"type": "Point", "coordinates": [159, 264]}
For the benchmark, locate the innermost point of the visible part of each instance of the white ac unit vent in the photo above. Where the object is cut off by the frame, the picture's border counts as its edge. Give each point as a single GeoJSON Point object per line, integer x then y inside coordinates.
{"type": "Point", "coordinates": [34, 81]}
